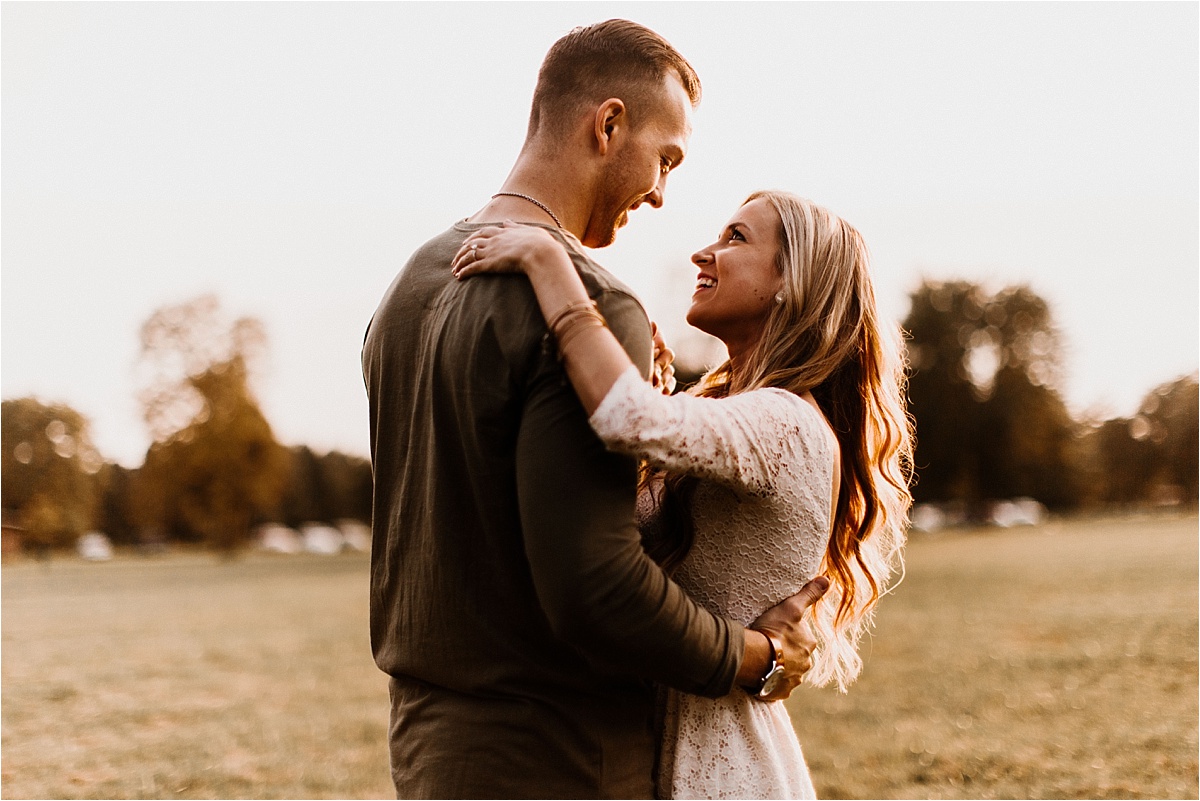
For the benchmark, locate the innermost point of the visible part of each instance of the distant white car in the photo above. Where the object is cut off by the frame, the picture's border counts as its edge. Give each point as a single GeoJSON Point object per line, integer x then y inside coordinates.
{"type": "Point", "coordinates": [94, 547]}
{"type": "Point", "coordinates": [275, 538]}
{"type": "Point", "coordinates": [927, 517]}
{"type": "Point", "coordinates": [356, 534]}
{"type": "Point", "coordinates": [322, 539]}
{"type": "Point", "coordinates": [1018, 512]}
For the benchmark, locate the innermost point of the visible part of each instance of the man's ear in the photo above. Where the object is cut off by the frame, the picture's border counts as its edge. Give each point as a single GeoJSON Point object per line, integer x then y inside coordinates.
{"type": "Point", "coordinates": [610, 121]}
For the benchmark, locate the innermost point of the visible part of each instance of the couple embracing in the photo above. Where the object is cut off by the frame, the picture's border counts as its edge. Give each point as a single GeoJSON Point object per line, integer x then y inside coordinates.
{"type": "Point", "coordinates": [581, 585]}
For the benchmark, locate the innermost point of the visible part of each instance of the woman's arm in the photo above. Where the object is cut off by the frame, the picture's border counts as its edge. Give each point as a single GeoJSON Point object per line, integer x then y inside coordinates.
{"type": "Point", "coordinates": [741, 441]}
{"type": "Point", "coordinates": [594, 359]}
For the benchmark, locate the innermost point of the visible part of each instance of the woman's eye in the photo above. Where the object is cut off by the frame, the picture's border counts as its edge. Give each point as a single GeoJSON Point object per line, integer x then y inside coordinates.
{"type": "Point", "coordinates": [735, 235]}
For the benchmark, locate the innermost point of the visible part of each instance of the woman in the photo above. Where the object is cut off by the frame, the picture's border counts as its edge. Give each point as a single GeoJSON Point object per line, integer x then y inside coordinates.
{"type": "Point", "coordinates": [790, 458]}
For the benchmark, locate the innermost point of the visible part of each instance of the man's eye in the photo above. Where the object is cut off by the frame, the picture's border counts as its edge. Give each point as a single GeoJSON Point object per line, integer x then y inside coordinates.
{"type": "Point", "coordinates": [665, 166]}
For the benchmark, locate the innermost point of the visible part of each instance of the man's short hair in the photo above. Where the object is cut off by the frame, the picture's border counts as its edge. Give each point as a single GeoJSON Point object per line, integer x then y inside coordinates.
{"type": "Point", "coordinates": [617, 58]}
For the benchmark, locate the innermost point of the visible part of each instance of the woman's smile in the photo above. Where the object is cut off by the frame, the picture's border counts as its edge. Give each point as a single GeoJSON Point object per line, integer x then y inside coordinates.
{"type": "Point", "coordinates": [738, 277]}
{"type": "Point", "coordinates": [704, 282]}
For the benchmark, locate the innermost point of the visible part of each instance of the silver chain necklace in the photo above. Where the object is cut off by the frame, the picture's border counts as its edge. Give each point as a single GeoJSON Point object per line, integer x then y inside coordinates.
{"type": "Point", "coordinates": [535, 202]}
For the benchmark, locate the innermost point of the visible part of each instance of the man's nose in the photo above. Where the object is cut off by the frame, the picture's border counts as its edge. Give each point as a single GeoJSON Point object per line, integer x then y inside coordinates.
{"type": "Point", "coordinates": [655, 198]}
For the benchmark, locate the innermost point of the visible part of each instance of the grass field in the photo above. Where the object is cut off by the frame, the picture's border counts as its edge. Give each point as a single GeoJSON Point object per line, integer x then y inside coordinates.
{"type": "Point", "coordinates": [1059, 661]}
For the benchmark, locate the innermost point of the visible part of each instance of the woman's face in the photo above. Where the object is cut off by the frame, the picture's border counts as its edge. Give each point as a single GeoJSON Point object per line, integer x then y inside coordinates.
{"type": "Point", "coordinates": [738, 279]}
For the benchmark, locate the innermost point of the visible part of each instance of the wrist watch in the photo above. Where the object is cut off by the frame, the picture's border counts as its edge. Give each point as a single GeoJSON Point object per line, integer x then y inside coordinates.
{"type": "Point", "coordinates": [774, 675]}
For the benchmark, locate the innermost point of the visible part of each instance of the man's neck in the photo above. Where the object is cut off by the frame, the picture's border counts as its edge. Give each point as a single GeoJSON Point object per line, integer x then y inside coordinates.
{"type": "Point", "coordinates": [513, 207]}
{"type": "Point", "coordinates": [552, 183]}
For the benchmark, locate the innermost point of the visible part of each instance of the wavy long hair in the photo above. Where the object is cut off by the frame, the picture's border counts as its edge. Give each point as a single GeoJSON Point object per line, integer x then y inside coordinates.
{"type": "Point", "coordinates": [826, 338]}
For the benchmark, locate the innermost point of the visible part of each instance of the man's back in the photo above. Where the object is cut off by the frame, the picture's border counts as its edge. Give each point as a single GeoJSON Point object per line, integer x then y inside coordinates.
{"type": "Point", "coordinates": [509, 593]}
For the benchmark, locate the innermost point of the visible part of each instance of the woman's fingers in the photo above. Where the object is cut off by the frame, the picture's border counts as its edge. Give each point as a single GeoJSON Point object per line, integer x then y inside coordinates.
{"type": "Point", "coordinates": [497, 249]}
{"type": "Point", "coordinates": [664, 371]}
{"type": "Point", "coordinates": [668, 375]}
{"type": "Point", "coordinates": [472, 252]}
{"type": "Point", "coordinates": [469, 256]}
{"type": "Point", "coordinates": [472, 246]}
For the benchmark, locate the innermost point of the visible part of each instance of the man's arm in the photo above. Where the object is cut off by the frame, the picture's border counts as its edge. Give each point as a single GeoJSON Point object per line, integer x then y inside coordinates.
{"type": "Point", "coordinates": [600, 591]}
{"type": "Point", "coordinates": [597, 586]}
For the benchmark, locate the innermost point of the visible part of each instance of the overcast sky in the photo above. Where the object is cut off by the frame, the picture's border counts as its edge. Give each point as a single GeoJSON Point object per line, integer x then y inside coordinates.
{"type": "Point", "coordinates": [289, 157]}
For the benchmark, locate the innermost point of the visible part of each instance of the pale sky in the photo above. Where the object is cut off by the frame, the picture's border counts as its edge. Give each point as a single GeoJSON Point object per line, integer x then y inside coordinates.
{"type": "Point", "coordinates": [289, 158]}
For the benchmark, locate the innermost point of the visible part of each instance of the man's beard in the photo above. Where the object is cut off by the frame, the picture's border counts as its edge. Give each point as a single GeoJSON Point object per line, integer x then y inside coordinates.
{"type": "Point", "coordinates": [611, 228]}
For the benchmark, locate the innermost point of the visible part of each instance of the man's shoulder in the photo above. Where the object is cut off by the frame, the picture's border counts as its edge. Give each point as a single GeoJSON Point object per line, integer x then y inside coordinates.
{"type": "Point", "coordinates": [600, 283]}
{"type": "Point", "coordinates": [622, 309]}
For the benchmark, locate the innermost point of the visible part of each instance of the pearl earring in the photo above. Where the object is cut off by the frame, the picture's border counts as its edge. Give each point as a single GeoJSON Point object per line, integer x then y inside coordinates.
{"type": "Point", "coordinates": [779, 298]}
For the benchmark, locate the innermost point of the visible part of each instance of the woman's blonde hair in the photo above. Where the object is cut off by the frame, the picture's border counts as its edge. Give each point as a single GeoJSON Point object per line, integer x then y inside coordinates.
{"type": "Point", "coordinates": [826, 338]}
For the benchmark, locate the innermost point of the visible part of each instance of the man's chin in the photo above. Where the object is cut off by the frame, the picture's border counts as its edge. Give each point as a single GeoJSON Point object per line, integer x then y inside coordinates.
{"type": "Point", "coordinates": [620, 223]}
{"type": "Point", "coordinates": [609, 236]}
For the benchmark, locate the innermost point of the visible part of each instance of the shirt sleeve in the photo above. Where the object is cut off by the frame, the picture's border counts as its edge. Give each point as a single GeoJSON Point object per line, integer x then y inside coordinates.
{"type": "Point", "coordinates": [600, 591]}
{"type": "Point", "coordinates": [741, 441]}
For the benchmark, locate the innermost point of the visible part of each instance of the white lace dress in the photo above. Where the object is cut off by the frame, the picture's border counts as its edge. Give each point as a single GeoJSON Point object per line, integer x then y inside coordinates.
{"type": "Point", "coordinates": [765, 459]}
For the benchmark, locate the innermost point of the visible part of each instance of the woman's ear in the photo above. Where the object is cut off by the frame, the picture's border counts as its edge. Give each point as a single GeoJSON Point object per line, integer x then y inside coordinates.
{"type": "Point", "coordinates": [610, 122]}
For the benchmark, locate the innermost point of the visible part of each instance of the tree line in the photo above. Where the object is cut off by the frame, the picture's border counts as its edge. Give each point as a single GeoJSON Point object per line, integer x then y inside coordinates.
{"type": "Point", "coordinates": [214, 470]}
{"type": "Point", "coordinates": [984, 390]}
{"type": "Point", "coordinates": [984, 373]}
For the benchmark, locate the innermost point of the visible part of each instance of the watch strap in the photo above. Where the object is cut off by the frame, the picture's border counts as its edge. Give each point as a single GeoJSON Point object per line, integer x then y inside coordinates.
{"type": "Point", "coordinates": [777, 658]}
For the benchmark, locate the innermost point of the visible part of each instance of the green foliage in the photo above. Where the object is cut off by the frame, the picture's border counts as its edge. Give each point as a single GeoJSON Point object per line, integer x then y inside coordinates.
{"type": "Point", "coordinates": [215, 468]}
{"type": "Point", "coordinates": [1152, 455]}
{"type": "Point", "coordinates": [49, 467]}
{"type": "Point", "coordinates": [115, 515]}
{"type": "Point", "coordinates": [301, 500]}
{"type": "Point", "coordinates": [346, 487]}
{"type": "Point", "coordinates": [325, 489]}
{"type": "Point", "coordinates": [990, 421]}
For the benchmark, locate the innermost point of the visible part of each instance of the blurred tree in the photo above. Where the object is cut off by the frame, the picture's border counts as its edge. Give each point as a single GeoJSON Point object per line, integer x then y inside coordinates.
{"type": "Point", "coordinates": [1028, 442]}
{"type": "Point", "coordinates": [942, 397]}
{"type": "Point", "coordinates": [347, 487]}
{"type": "Point", "coordinates": [325, 489]}
{"type": "Point", "coordinates": [1122, 463]}
{"type": "Point", "coordinates": [1173, 413]}
{"type": "Point", "coordinates": [1152, 457]}
{"type": "Point", "coordinates": [48, 469]}
{"type": "Point", "coordinates": [214, 468]}
{"type": "Point", "coordinates": [990, 421]}
{"type": "Point", "coordinates": [301, 500]}
{"type": "Point", "coordinates": [115, 513]}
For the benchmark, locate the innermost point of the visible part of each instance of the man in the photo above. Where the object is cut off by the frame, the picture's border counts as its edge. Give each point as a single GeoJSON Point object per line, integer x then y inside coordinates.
{"type": "Point", "coordinates": [511, 602]}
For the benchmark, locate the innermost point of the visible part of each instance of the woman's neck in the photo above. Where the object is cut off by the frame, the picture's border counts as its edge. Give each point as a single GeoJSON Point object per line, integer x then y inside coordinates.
{"type": "Point", "coordinates": [739, 357]}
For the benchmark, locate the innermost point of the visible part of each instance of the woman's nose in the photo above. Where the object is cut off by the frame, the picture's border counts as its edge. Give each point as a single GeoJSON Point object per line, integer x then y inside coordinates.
{"type": "Point", "coordinates": [702, 257]}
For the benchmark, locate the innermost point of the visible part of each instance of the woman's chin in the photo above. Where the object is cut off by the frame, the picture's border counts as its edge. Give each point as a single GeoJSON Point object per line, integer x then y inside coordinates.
{"type": "Point", "coordinates": [695, 318]}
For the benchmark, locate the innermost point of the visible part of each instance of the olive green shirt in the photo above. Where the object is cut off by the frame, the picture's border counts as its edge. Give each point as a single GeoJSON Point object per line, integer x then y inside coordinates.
{"type": "Point", "coordinates": [511, 601]}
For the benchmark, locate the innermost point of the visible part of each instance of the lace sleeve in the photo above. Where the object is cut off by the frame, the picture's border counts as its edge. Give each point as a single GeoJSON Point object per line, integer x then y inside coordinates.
{"type": "Point", "coordinates": [740, 441]}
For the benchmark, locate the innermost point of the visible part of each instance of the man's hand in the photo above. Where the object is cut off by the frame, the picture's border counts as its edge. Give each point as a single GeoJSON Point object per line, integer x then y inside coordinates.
{"type": "Point", "coordinates": [785, 622]}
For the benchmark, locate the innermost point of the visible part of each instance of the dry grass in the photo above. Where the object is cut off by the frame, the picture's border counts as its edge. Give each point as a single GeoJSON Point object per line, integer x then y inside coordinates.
{"type": "Point", "coordinates": [1058, 662]}
{"type": "Point", "coordinates": [1054, 662]}
{"type": "Point", "coordinates": [192, 678]}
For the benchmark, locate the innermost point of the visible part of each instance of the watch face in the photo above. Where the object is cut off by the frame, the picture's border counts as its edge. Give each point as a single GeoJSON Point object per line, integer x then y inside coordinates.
{"type": "Point", "coordinates": [772, 681]}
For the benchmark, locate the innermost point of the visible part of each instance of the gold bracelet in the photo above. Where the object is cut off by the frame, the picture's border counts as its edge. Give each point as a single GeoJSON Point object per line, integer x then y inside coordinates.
{"type": "Point", "coordinates": [569, 319]}
{"type": "Point", "coordinates": [573, 306]}
{"type": "Point", "coordinates": [578, 327]}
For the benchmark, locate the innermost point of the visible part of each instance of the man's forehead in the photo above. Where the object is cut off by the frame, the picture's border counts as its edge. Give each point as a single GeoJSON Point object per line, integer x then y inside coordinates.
{"type": "Point", "coordinates": [676, 110]}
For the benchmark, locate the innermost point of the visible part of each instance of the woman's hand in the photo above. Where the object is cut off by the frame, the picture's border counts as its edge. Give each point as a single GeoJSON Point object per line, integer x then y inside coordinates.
{"type": "Point", "coordinates": [663, 376]}
{"type": "Point", "coordinates": [507, 248]}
